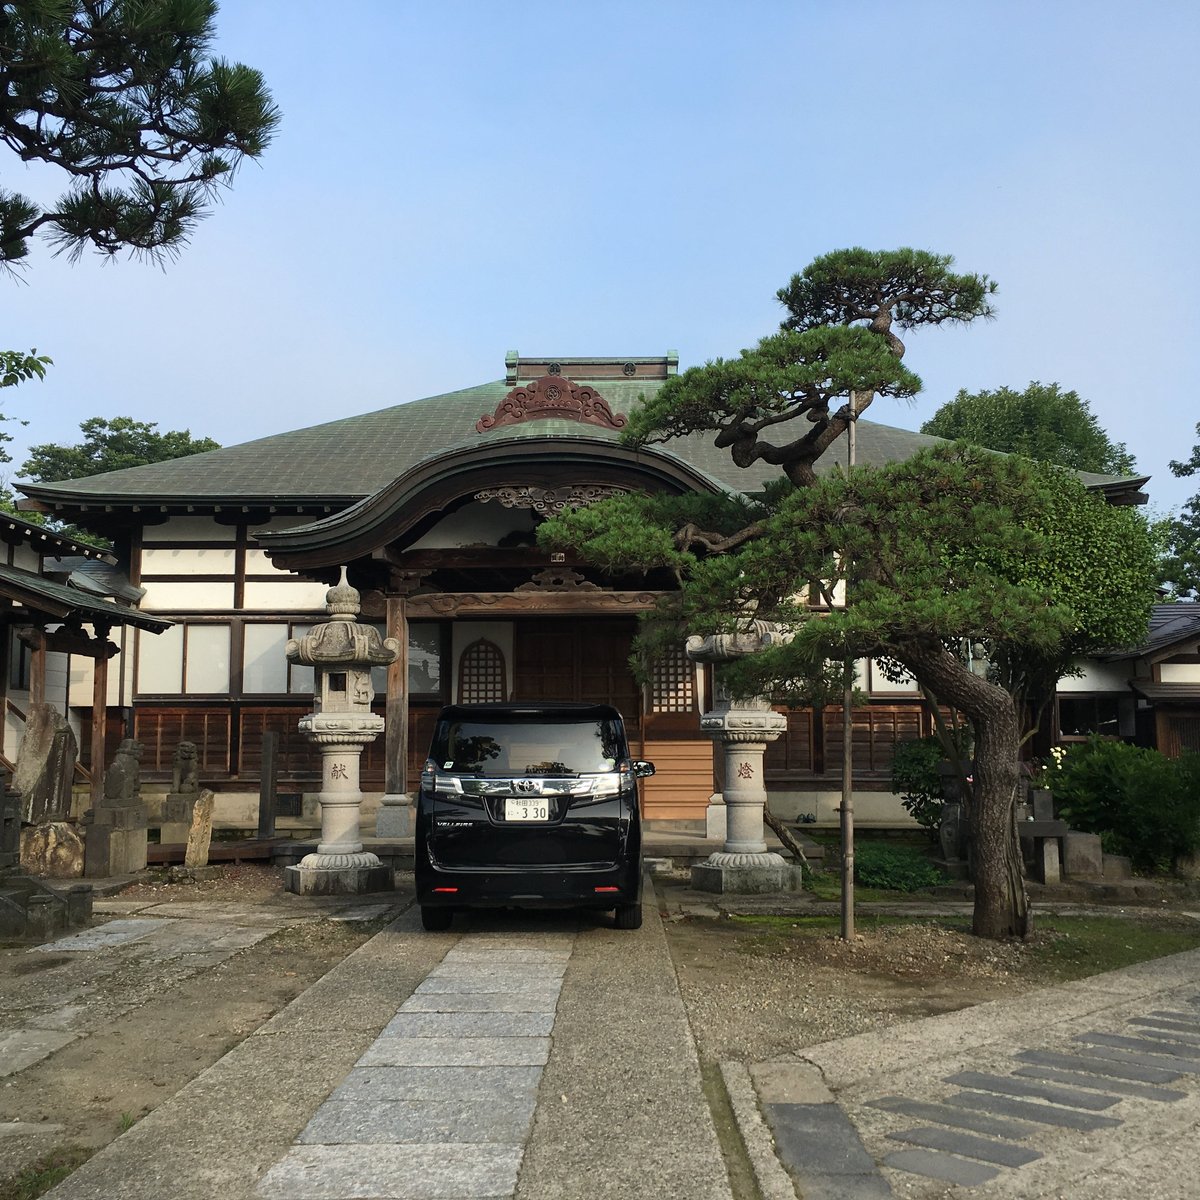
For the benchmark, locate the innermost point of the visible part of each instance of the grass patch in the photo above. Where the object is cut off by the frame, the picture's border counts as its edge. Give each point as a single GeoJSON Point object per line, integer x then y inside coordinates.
{"type": "Point", "coordinates": [1075, 947]}
{"type": "Point", "coordinates": [49, 1170]}
{"type": "Point", "coordinates": [1062, 948]}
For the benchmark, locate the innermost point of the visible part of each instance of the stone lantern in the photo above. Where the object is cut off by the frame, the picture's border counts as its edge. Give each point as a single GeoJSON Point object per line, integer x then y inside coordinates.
{"type": "Point", "coordinates": [743, 728]}
{"type": "Point", "coordinates": [341, 653]}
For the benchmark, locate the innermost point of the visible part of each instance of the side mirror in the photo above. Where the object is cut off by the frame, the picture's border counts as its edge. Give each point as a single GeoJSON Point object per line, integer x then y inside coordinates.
{"type": "Point", "coordinates": [642, 769]}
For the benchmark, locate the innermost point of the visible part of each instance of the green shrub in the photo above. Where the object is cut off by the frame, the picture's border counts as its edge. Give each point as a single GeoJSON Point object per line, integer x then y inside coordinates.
{"type": "Point", "coordinates": [1142, 804]}
{"type": "Point", "coordinates": [894, 868]}
{"type": "Point", "coordinates": [915, 777]}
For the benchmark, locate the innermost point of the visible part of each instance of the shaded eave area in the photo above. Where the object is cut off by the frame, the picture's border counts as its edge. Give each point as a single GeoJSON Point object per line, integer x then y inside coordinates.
{"type": "Point", "coordinates": [432, 487]}
{"type": "Point", "coordinates": [58, 602]}
{"type": "Point", "coordinates": [14, 530]}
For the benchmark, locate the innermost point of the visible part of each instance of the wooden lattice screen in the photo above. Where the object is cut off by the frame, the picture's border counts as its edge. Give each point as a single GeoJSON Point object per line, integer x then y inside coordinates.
{"type": "Point", "coordinates": [481, 675]}
{"type": "Point", "coordinates": [673, 684]}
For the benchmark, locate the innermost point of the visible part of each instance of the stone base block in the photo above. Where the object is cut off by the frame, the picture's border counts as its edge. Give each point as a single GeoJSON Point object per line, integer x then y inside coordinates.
{"type": "Point", "coordinates": [955, 868]}
{"type": "Point", "coordinates": [715, 825]}
{"type": "Point", "coordinates": [1117, 866]}
{"type": "Point", "coordinates": [1082, 856]}
{"type": "Point", "coordinates": [338, 881]}
{"type": "Point", "coordinates": [174, 833]}
{"type": "Point", "coordinates": [109, 851]}
{"type": "Point", "coordinates": [393, 820]}
{"type": "Point", "coordinates": [746, 874]}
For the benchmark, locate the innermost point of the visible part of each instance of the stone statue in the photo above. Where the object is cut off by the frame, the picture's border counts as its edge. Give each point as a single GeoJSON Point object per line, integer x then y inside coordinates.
{"type": "Point", "coordinates": [185, 778]}
{"type": "Point", "coordinates": [122, 780]}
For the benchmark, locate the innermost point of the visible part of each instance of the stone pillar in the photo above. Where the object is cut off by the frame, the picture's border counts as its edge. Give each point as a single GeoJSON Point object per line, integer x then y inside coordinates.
{"type": "Point", "coordinates": [742, 730]}
{"type": "Point", "coordinates": [341, 653]}
{"type": "Point", "coordinates": [115, 841]}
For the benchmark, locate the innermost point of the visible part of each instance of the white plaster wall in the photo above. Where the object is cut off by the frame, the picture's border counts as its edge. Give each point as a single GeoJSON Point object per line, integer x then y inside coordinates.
{"type": "Point", "coordinates": [25, 558]}
{"type": "Point", "coordinates": [258, 562]}
{"type": "Point", "coordinates": [476, 524]}
{"type": "Point", "coordinates": [1099, 677]}
{"type": "Point", "coordinates": [14, 726]}
{"type": "Point", "coordinates": [870, 808]}
{"type": "Point", "coordinates": [880, 683]}
{"type": "Point", "coordinates": [174, 561]}
{"type": "Point", "coordinates": [189, 529]}
{"type": "Point", "coordinates": [83, 672]}
{"type": "Point", "coordinates": [1179, 672]}
{"type": "Point", "coordinates": [56, 679]}
{"type": "Point", "coordinates": [293, 595]}
{"type": "Point", "coordinates": [464, 633]}
{"type": "Point", "coordinates": [188, 597]}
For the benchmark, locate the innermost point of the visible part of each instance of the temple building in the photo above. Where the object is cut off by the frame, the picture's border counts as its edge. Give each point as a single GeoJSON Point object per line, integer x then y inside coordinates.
{"type": "Point", "coordinates": [433, 505]}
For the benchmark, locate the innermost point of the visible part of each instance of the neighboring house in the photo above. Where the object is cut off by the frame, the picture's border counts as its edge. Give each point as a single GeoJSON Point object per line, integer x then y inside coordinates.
{"type": "Point", "coordinates": [433, 505]}
{"type": "Point", "coordinates": [1149, 695]}
{"type": "Point", "coordinates": [57, 611]}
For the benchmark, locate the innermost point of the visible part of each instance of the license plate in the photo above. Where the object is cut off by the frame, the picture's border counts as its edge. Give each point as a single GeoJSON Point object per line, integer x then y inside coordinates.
{"type": "Point", "coordinates": [520, 809]}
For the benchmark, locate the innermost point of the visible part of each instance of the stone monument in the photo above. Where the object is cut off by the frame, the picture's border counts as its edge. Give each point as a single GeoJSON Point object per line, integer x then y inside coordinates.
{"type": "Point", "coordinates": [45, 766]}
{"type": "Point", "coordinates": [115, 842]}
{"type": "Point", "coordinates": [341, 653]}
{"type": "Point", "coordinates": [742, 729]}
{"type": "Point", "coordinates": [181, 801]}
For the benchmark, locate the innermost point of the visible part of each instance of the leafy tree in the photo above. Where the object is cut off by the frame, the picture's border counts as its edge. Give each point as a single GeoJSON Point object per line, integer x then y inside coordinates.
{"type": "Point", "coordinates": [16, 367]}
{"type": "Point", "coordinates": [121, 95]}
{"type": "Point", "coordinates": [955, 545]}
{"type": "Point", "coordinates": [111, 445]}
{"type": "Point", "coordinates": [1181, 566]}
{"type": "Point", "coordinates": [1042, 422]}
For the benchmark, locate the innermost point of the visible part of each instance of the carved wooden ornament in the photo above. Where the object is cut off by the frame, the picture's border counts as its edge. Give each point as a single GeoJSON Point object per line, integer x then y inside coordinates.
{"type": "Point", "coordinates": [548, 397]}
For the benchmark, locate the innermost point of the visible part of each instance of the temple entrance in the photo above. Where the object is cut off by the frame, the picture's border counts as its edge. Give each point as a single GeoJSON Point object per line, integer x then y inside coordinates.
{"type": "Point", "coordinates": [574, 658]}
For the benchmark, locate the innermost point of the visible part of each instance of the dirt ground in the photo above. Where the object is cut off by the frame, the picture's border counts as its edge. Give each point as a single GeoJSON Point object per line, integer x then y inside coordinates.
{"type": "Point", "coordinates": [751, 994]}
{"type": "Point", "coordinates": [95, 1087]}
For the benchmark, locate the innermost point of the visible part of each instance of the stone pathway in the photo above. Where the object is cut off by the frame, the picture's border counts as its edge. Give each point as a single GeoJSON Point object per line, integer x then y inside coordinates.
{"type": "Point", "coordinates": [56, 995]}
{"type": "Point", "coordinates": [969, 1137]}
{"type": "Point", "coordinates": [1047, 1097]}
{"type": "Point", "coordinates": [441, 1104]}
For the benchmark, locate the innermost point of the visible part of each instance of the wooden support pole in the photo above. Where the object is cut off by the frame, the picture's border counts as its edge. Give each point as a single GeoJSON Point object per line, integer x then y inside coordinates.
{"type": "Point", "coordinates": [396, 712]}
{"type": "Point", "coordinates": [268, 785]}
{"type": "Point", "coordinates": [99, 718]}
{"type": "Point", "coordinates": [37, 667]}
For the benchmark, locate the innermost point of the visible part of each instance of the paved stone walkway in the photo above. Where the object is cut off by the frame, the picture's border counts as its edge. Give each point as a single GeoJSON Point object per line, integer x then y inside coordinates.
{"type": "Point", "coordinates": [441, 1103]}
{"type": "Point", "coordinates": [1069, 1092]}
{"type": "Point", "coordinates": [539, 1056]}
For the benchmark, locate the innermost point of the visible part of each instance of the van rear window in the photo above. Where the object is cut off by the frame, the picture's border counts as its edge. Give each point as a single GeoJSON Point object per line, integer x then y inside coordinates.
{"type": "Point", "coordinates": [521, 747]}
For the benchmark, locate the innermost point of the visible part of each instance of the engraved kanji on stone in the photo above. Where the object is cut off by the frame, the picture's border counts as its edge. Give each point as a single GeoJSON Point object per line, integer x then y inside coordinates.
{"type": "Point", "coordinates": [338, 771]}
{"type": "Point", "coordinates": [745, 771]}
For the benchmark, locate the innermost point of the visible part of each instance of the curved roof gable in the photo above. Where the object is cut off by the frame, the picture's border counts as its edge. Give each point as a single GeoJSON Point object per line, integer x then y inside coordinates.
{"type": "Point", "coordinates": [442, 479]}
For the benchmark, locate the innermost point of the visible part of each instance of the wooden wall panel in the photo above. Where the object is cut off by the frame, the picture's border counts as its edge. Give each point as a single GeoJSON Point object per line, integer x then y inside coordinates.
{"type": "Point", "coordinates": [682, 781]}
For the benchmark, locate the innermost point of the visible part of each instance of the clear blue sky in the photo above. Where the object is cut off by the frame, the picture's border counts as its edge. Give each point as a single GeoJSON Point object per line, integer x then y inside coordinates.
{"type": "Point", "coordinates": [456, 179]}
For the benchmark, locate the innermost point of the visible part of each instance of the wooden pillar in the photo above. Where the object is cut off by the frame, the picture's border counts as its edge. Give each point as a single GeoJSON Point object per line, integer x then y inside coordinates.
{"type": "Point", "coordinates": [396, 712]}
{"type": "Point", "coordinates": [37, 667]}
{"type": "Point", "coordinates": [99, 712]}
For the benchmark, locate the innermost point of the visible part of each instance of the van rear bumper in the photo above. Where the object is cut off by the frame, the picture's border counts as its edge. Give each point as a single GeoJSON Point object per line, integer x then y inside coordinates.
{"type": "Point", "coordinates": [526, 888]}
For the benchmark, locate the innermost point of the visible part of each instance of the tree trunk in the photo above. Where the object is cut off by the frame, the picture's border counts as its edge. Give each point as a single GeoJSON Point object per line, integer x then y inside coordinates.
{"type": "Point", "coordinates": [1001, 902]}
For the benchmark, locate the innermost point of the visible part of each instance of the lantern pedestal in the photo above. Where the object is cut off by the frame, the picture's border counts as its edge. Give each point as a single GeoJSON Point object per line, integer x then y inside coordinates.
{"type": "Point", "coordinates": [341, 653]}
{"type": "Point", "coordinates": [742, 729]}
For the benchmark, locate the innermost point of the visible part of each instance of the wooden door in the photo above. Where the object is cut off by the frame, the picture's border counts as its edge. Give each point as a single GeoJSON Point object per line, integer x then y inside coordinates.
{"type": "Point", "coordinates": [578, 659]}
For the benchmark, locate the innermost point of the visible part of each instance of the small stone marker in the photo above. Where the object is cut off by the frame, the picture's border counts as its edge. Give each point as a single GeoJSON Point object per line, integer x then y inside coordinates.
{"type": "Point", "coordinates": [200, 836]}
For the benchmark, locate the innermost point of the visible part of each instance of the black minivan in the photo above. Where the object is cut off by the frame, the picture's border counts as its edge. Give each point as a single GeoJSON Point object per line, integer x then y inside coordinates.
{"type": "Point", "coordinates": [529, 805]}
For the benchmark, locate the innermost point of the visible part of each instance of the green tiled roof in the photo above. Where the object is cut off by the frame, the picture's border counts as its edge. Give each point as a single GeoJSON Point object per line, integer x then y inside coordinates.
{"type": "Point", "coordinates": [348, 459]}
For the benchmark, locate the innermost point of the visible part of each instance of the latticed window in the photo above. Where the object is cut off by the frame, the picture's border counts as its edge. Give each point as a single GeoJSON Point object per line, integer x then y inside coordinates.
{"type": "Point", "coordinates": [481, 674]}
{"type": "Point", "coordinates": [673, 683]}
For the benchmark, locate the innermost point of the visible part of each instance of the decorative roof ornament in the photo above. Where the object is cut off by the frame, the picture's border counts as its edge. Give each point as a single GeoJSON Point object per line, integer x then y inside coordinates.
{"type": "Point", "coordinates": [552, 396]}
{"type": "Point", "coordinates": [343, 602]}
